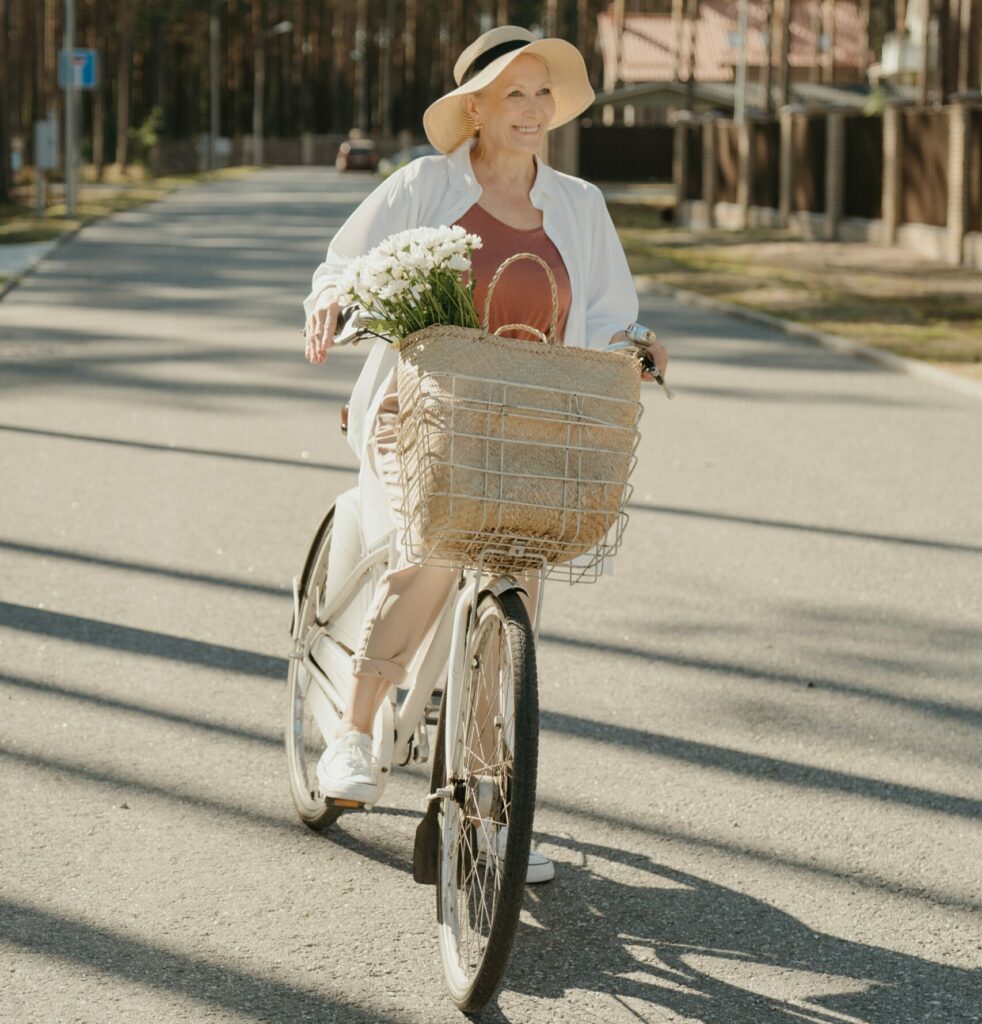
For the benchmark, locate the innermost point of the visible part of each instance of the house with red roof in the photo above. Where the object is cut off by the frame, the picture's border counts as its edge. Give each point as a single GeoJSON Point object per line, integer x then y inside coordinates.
{"type": "Point", "coordinates": [828, 43]}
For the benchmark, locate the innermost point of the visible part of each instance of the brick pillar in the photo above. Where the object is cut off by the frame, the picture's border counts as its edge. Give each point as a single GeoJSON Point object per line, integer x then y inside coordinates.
{"type": "Point", "coordinates": [745, 168]}
{"type": "Point", "coordinates": [786, 166]}
{"type": "Point", "coordinates": [835, 152]}
{"type": "Point", "coordinates": [959, 114]}
{"type": "Point", "coordinates": [892, 170]}
{"type": "Point", "coordinates": [709, 167]}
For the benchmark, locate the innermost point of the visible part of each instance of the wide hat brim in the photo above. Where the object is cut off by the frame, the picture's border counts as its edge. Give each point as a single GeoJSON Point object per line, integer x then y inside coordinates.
{"type": "Point", "coordinates": [447, 124]}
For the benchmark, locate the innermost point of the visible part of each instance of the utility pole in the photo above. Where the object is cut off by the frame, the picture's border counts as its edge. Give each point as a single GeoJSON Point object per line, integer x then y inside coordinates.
{"type": "Point", "coordinates": [740, 104]}
{"type": "Point", "coordinates": [70, 109]}
{"type": "Point", "coordinates": [815, 72]}
{"type": "Point", "coordinates": [767, 68]}
{"type": "Point", "coordinates": [828, 33]}
{"type": "Point", "coordinates": [691, 16]}
{"type": "Point", "coordinates": [676, 40]}
{"type": "Point", "coordinates": [965, 45]}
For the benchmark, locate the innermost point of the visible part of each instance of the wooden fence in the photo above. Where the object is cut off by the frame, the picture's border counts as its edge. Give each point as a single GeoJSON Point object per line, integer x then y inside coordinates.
{"type": "Point", "coordinates": [727, 161]}
{"type": "Point", "coordinates": [812, 168]}
{"type": "Point", "coordinates": [619, 153]}
{"type": "Point", "coordinates": [808, 162]}
{"type": "Point", "coordinates": [975, 171]}
{"type": "Point", "coordinates": [693, 169]}
{"type": "Point", "coordinates": [765, 158]}
{"type": "Point", "coordinates": [924, 199]}
{"type": "Point", "coordinates": [863, 184]}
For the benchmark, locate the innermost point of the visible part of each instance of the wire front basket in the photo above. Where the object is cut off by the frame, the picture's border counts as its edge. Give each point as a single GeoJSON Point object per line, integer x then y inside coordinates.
{"type": "Point", "coordinates": [515, 477]}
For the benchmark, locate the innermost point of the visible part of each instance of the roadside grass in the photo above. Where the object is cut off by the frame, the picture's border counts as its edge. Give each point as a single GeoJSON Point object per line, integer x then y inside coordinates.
{"type": "Point", "coordinates": [18, 223]}
{"type": "Point", "coordinates": [884, 298]}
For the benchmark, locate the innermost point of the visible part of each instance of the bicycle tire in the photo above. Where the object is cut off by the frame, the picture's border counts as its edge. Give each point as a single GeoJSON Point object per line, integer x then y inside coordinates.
{"type": "Point", "coordinates": [304, 742]}
{"type": "Point", "coordinates": [475, 958]}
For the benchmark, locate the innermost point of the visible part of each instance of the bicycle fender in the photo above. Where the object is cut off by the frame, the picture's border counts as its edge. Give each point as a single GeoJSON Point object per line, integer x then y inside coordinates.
{"type": "Point", "coordinates": [300, 581]}
{"type": "Point", "coordinates": [501, 585]}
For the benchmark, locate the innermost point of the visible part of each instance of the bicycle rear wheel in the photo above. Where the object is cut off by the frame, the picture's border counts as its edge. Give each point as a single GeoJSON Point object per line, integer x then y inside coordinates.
{"type": "Point", "coordinates": [304, 740]}
{"type": "Point", "coordinates": [486, 826]}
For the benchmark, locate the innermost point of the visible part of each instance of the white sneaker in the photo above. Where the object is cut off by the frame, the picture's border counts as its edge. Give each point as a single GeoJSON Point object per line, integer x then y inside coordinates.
{"type": "Point", "coordinates": [540, 868]}
{"type": "Point", "coordinates": [346, 770]}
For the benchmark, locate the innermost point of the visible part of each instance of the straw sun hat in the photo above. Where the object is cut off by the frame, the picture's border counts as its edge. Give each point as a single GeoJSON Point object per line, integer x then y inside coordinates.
{"type": "Point", "coordinates": [447, 123]}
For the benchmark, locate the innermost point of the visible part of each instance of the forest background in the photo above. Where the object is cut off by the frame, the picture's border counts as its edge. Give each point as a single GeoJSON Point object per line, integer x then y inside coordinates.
{"type": "Point", "coordinates": [369, 64]}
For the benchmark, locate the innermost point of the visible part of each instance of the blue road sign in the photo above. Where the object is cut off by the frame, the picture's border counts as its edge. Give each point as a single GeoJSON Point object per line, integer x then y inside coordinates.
{"type": "Point", "coordinates": [84, 65]}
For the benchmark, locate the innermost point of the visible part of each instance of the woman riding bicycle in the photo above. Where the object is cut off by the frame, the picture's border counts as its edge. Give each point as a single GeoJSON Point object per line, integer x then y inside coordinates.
{"type": "Point", "coordinates": [511, 90]}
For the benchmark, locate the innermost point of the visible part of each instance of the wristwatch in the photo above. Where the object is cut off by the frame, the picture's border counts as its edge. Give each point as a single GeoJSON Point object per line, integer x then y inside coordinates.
{"type": "Point", "coordinates": [640, 334]}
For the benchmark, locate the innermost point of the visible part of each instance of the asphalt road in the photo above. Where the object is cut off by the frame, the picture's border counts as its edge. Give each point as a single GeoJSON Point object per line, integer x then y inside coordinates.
{"type": "Point", "coordinates": [760, 749]}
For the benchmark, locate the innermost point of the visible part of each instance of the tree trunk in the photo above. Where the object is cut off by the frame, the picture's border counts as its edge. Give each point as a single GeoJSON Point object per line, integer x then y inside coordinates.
{"type": "Point", "coordinates": [409, 93]}
{"type": "Point", "coordinates": [361, 71]}
{"type": "Point", "coordinates": [5, 175]}
{"type": "Point", "coordinates": [125, 27]}
{"type": "Point", "coordinates": [552, 17]}
{"type": "Point", "coordinates": [99, 95]}
{"type": "Point", "coordinates": [49, 67]}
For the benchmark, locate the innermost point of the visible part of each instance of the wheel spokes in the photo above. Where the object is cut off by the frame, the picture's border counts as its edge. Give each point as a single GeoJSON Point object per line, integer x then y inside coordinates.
{"type": "Point", "coordinates": [484, 761]}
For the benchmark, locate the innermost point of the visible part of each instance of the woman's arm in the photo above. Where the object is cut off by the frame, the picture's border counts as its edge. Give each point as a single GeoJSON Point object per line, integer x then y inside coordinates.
{"type": "Point", "coordinates": [611, 300]}
{"type": "Point", "coordinates": [386, 211]}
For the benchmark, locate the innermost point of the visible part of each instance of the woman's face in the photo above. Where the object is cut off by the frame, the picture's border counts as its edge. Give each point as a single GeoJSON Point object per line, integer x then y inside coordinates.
{"type": "Point", "coordinates": [516, 109]}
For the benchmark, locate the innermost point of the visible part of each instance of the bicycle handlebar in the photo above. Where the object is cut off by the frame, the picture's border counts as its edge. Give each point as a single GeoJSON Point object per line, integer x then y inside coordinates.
{"type": "Point", "coordinates": [352, 327]}
{"type": "Point", "coordinates": [640, 338]}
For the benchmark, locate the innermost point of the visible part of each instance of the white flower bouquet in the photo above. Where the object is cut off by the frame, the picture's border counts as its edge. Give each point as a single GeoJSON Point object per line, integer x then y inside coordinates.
{"type": "Point", "coordinates": [414, 279]}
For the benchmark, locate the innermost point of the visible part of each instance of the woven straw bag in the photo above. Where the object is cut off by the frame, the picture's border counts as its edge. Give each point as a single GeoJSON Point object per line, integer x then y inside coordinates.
{"type": "Point", "coordinates": [512, 451]}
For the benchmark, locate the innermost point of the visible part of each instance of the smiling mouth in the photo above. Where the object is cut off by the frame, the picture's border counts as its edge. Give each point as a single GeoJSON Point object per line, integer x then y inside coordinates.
{"type": "Point", "coordinates": [526, 129]}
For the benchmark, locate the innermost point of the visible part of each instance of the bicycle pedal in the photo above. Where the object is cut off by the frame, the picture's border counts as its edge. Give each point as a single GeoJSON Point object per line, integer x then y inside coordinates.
{"type": "Point", "coordinates": [349, 805]}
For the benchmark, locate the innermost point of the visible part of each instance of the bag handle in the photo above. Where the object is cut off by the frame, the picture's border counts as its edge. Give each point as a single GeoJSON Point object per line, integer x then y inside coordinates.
{"type": "Point", "coordinates": [553, 292]}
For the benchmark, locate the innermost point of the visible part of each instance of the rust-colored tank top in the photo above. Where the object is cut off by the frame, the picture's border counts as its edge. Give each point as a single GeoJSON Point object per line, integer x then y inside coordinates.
{"type": "Point", "coordinates": [521, 295]}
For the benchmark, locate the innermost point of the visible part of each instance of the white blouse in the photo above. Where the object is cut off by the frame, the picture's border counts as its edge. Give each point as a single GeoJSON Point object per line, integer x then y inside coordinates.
{"type": "Point", "coordinates": [436, 191]}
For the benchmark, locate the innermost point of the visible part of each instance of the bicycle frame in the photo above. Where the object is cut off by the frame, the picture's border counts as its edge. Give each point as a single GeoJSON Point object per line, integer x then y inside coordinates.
{"type": "Point", "coordinates": [399, 731]}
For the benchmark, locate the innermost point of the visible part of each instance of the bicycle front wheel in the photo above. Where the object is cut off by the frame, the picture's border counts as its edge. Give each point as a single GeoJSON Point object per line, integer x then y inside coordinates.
{"type": "Point", "coordinates": [486, 827]}
{"type": "Point", "coordinates": [304, 737]}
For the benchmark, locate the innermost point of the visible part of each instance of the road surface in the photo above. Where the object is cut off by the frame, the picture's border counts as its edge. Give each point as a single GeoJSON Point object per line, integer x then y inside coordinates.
{"type": "Point", "coordinates": [759, 772]}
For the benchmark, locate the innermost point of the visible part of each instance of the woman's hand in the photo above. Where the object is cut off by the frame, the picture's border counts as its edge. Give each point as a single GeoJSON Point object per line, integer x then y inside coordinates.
{"type": "Point", "coordinates": [656, 351]}
{"type": "Point", "coordinates": [320, 332]}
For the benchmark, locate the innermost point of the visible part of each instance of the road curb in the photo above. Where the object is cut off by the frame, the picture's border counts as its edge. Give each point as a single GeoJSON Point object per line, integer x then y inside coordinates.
{"type": "Point", "coordinates": [57, 243]}
{"type": "Point", "coordinates": [834, 342]}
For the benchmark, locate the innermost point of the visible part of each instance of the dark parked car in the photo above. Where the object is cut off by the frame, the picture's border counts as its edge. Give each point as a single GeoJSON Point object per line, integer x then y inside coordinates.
{"type": "Point", "coordinates": [357, 155]}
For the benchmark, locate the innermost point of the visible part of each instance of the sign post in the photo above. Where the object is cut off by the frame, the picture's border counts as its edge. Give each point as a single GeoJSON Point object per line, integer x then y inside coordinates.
{"type": "Point", "coordinates": [77, 69]}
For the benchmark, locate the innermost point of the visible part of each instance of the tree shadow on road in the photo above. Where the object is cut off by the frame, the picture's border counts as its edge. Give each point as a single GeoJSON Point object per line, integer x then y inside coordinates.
{"type": "Point", "coordinates": [685, 945]}
{"type": "Point", "coordinates": [210, 984]}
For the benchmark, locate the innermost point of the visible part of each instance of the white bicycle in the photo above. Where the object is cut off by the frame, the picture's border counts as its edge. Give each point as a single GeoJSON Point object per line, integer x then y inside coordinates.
{"type": "Point", "coordinates": [474, 677]}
